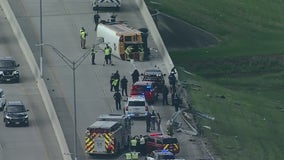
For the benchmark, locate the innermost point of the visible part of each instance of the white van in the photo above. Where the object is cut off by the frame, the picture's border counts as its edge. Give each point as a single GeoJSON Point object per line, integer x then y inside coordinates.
{"type": "Point", "coordinates": [97, 4]}
{"type": "Point", "coordinates": [2, 99]}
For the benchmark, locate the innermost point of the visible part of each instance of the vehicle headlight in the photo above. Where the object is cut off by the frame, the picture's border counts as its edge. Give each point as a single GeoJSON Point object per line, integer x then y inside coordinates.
{"type": "Point", "coordinates": [1, 72]}
{"type": "Point", "coordinates": [15, 72]}
{"type": "Point", "coordinates": [26, 116]}
{"type": "Point", "coordinates": [8, 117]}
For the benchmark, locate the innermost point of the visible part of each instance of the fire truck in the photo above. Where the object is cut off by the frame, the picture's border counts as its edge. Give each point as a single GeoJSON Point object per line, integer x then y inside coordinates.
{"type": "Point", "coordinates": [109, 134]}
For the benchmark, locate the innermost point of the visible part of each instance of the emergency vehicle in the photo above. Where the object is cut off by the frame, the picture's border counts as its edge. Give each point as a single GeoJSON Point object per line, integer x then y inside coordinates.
{"type": "Point", "coordinates": [106, 4]}
{"type": "Point", "coordinates": [109, 134]}
{"type": "Point", "coordinates": [159, 141]}
{"type": "Point", "coordinates": [119, 36]}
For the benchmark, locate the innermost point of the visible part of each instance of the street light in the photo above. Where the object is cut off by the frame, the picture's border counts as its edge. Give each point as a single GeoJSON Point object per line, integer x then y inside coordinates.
{"type": "Point", "coordinates": [74, 65]}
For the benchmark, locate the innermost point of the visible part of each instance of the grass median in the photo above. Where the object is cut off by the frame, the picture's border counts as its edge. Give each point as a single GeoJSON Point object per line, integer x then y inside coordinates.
{"type": "Point", "coordinates": [241, 79]}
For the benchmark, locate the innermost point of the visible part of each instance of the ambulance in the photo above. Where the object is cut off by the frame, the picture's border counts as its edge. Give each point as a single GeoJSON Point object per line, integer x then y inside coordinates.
{"type": "Point", "coordinates": [97, 4]}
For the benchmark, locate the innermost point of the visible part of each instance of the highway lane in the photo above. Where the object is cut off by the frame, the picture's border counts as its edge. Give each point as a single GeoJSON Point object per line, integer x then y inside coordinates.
{"type": "Point", "coordinates": [36, 141]}
{"type": "Point", "coordinates": [62, 20]}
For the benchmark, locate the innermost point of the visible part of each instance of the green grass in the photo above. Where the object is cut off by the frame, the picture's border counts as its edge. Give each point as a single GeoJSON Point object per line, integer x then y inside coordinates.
{"type": "Point", "coordinates": [246, 68]}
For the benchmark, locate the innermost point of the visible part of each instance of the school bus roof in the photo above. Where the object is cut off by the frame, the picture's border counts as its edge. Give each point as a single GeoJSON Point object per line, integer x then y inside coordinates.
{"type": "Point", "coordinates": [122, 29]}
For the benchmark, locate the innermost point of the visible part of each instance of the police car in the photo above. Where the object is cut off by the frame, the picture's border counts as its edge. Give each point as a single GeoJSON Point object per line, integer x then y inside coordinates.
{"type": "Point", "coordinates": [106, 4]}
{"type": "Point", "coordinates": [146, 89]}
{"type": "Point", "coordinates": [156, 76]}
{"type": "Point", "coordinates": [136, 106]}
{"type": "Point", "coordinates": [161, 155]}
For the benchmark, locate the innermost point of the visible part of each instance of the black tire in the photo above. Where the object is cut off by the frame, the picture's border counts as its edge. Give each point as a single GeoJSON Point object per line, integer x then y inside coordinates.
{"type": "Point", "coordinates": [7, 124]}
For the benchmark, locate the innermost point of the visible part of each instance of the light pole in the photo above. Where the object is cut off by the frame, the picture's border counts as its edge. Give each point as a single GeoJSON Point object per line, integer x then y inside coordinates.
{"type": "Point", "coordinates": [73, 65]}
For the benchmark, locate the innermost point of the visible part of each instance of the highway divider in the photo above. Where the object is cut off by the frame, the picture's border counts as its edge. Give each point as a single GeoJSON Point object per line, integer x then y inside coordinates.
{"type": "Point", "coordinates": [40, 82]}
{"type": "Point", "coordinates": [155, 34]}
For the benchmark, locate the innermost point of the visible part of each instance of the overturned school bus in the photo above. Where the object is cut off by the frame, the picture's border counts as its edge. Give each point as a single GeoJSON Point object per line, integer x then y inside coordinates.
{"type": "Point", "coordinates": [126, 42]}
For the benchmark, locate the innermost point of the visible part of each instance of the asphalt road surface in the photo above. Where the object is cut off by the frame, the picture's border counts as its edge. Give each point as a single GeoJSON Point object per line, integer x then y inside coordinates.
{"type": "Point", "coordinates": [38, 140]}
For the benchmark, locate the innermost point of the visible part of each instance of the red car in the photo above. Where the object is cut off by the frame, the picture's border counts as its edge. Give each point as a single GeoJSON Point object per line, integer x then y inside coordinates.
{"type": "Point", "coordinates": [145, 88]}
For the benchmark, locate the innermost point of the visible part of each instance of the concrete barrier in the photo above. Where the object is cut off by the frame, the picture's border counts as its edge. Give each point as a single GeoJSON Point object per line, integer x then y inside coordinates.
{"type": "Point", "coordinates": [155, 34]}
{"type": "Point", "coordinates": [40, 82]}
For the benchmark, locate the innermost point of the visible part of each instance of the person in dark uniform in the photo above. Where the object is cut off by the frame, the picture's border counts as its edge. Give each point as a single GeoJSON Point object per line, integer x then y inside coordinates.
{"type": "Point", "coordinates": [135, 76]}
{"type": "Point", "coordinates": [117, 97]}
{"type": "Point", "coordinates": [96, 19]}
{"type": "Point", "coordinates": [148, 121]}
{"type": "Point", "coordinates": [123, 84]}
{"type": "Point", "coordinates": [165, 95]}
{"type": "Point", "coordinates": [176, 102]}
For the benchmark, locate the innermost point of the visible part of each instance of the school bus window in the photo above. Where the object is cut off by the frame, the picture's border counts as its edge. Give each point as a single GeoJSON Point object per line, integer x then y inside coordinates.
{"type": "Point", "coordinates": [127, 38]}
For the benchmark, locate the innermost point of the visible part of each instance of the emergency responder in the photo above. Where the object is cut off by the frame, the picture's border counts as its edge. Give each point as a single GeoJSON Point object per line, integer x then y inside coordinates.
{"type": "Point", "coordinates": [165, 95]}
{"type": "Point", "coordinates": [141, 53]}
{"type": "Point", "coordinates": [142, 145]}
{"type": "Point", "coordinates": [117, 97]}
{"type": "Point", "coordinates": [135, 155]}
{"type": "Point", "coordinates": [148, 121]}
{"type": "Point", "coordinates": [135, 76]}
{"type": "Point", "coordinates": [115, 85]}
{"type": "Point", "coordinates": [96, 19]}
{"type": "Point", "coordinates": [159, 120]}
{"type": "Point", "coordinates": [83, 35]}
{"type": "Point", "coordinates": [111, 80]}
{"type": "Point", "coordinates": [172, 80]}
{"type": "Point", "coordinates": [107, 52]}
{"type": "Point", "coordinates": [123, 85]}
{"type": "Point", "coordinates": [133, 143]}
{"type": "Point", "coordinates": [93, 55]}
{"type": "Point", "coordinates": [153, 120]}
{"type": "Point", "coordinates": [128, 53]}
{"type": "Point", "coordinates": [128, 156]}
{"type": "Point", "coordinates": [176, 102]}
{"type": "Point", "coordinates": [113, 17]}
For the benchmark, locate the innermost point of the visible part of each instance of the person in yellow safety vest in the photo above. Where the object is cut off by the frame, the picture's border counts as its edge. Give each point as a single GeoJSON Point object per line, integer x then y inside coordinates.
{"type": "Point", "coordinates": [107, 52]}
{"type": "Point", "coordinates": [135, 155]}
{"type": "Point", "coordinates": [133, 143]}
{"type": "Point", "coordinates": [128, 53]}
{"type": "Point", "coordinates": [83, 35]}
{"type": "Point", "coordinates": [141, 53]}
{"type": "Point", "coordinates": [93, 55]}
{"type": "Point", "coordinates": [115, 85]}
{"type": "Point", "coordinates": [128, 156]}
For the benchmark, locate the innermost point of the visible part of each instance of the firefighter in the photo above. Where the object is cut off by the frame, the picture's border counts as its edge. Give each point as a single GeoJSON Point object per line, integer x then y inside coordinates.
{"type": "Point", "coordinates": [107, 52]}
{"type": "Point", "coordinates": [135, 76]}
{"type": "Point", "coordinates": [117, 97]}
{"type": "Point", "coordinates": [83, 35]}
{"type": "Point", "coordinates": [123, 86]}
{"type": "Point", "coordinates": [93, 55]}
{"type": "Point", "coordinates": [128, 156]}
{"type": "Point", "coordinates": [133, 143]}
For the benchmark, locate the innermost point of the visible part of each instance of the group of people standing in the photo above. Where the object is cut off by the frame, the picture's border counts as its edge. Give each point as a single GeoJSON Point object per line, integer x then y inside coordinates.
{"type": "Point", "coordinates": [153, 121]}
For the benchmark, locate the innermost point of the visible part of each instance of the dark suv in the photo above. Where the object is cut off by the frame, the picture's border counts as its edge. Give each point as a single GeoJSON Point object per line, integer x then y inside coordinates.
{"type": "Point", "coordinates": [8, 70]}
{"type": "Point", "coordinates": [15, 113]}
{"type": "Point", "coordinates": [156, 76]}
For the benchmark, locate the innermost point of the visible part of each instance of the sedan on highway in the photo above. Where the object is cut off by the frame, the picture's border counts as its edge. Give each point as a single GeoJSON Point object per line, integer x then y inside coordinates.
{"type": "Point", "coordinates": [15, 113]}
